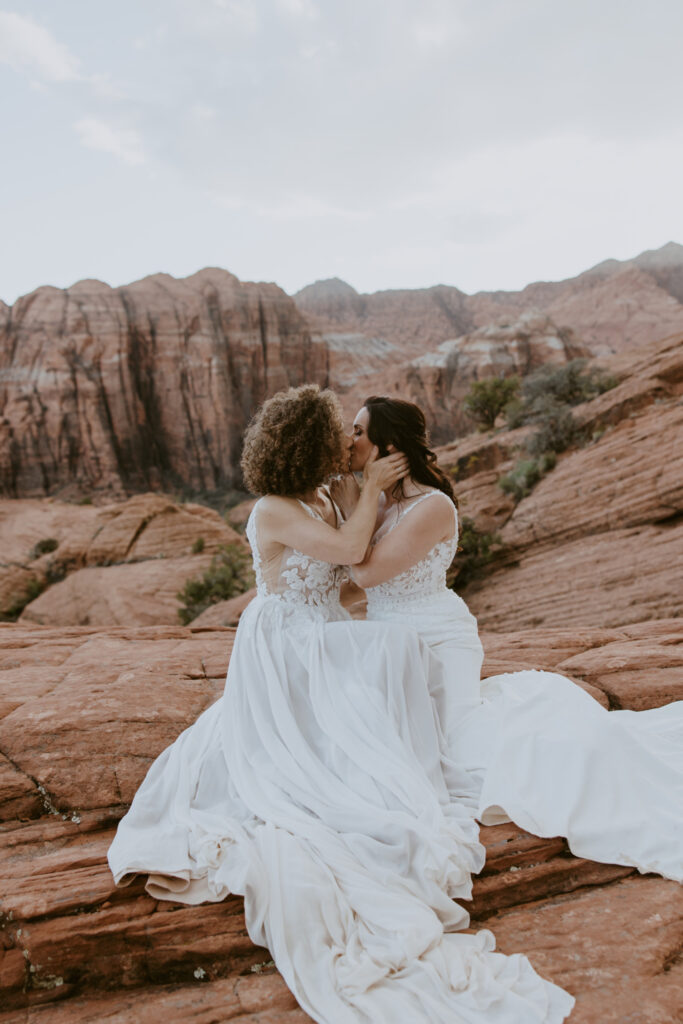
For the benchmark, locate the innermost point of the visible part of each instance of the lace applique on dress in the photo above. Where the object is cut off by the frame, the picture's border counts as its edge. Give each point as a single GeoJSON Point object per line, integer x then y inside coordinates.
{"type": "Point", "coordinates": [310, 581]}
{"type": "Point", "coordinates": [424, 579]}
{"type": "Point", "coordinates": [302, 583]}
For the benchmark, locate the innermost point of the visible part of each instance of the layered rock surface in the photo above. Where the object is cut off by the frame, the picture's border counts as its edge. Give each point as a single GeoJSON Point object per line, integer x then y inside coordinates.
{"type": "Point", "coordinates": [599, 539]}
{"type": "Point", "coordinates": [439, 381]}
{"type": "Point", "coordinates": [150, 386]}
{"type": "Point", "coordinates": [428, 344]}
{"type": "Point", "coordinates": [82, 714]}
{"type": "Point", "coordinates": [118, 564]}
{"type": "Point", "coordinates": [145, 386]}
{"type": "Point", "coordinates": [615, 306]}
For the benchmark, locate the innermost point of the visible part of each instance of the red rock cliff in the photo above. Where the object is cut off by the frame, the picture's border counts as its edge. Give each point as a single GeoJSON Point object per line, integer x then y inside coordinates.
{"type": "Point", "coordinates": [143, 386]}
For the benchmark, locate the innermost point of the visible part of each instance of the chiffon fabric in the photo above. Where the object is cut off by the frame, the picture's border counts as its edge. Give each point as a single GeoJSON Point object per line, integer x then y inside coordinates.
{"type": "Point", "coordinates": [319, 788]}
{"type": "Point", "coordinates": [535, 747]}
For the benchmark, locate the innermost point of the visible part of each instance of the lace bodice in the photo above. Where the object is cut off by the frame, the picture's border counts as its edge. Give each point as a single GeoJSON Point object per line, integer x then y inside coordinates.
{"type": "Point", "coordinates": [301, 583]}
{"type": "Point", "coordinates": [422, 580]}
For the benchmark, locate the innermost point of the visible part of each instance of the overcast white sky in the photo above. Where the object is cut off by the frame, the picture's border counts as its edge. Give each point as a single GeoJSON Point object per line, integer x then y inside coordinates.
{"type": "Point", "coordinates": [393, 143]}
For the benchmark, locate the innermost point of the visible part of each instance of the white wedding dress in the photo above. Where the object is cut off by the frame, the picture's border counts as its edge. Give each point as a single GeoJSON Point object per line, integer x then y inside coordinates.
{"type": "Point", "coordinates": [536, 748]}
{"type": "Point", "coordinates": [318, 787]}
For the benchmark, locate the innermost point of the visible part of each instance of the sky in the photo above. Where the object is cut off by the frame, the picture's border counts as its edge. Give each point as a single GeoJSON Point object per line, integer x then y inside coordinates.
{"type": "Point", "coordinates": [392, 143]}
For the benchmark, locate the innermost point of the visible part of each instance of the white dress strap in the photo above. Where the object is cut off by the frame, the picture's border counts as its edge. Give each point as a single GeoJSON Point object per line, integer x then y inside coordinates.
{"type": "Point", "coordinates": [315, 514]}
{"type": "Point", "coordinates": [420, 498]}
{"type": "Point", "coordinates": [423, 497]}
{"type": "Point", "coordinates": [311, 511]}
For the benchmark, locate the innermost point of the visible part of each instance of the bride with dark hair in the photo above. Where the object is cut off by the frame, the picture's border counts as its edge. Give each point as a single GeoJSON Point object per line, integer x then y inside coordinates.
{"type": "Point", "coordinates": [318, 785]}
{"type": "Point", "coordinates": [534, 747]}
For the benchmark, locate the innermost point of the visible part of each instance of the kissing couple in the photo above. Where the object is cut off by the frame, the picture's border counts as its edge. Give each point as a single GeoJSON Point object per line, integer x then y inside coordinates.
{"type": "Point", "coordinates": [339, 782]}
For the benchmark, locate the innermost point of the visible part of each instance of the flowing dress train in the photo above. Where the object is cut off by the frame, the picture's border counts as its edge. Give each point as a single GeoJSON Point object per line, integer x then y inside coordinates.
{"type": "Point", "coordinates": [315, 787]}
{"type": "Point", "coordinates": [535, 748]}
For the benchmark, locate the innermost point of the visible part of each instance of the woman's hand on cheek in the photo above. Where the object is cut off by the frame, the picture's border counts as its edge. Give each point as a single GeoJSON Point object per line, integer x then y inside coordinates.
{"type": "Point", "coordinates": [387, 471]}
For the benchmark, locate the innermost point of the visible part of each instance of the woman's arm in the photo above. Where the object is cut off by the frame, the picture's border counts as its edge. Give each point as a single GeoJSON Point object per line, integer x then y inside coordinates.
{"type": "Point", "coordinates": [409, 542]}
{"type": "Point", "coordinates": [284, 521]}
{"type": "Point", "coordinates": [345, 492]}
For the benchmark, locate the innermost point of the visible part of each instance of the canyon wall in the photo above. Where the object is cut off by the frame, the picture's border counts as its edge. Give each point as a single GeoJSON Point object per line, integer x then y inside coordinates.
{"type": "Point", "coordinates": [428, 344]}
{"type": "Point", "coordinates": [613, 307]}
{"type": "Point", "coordinates": [145, 386]}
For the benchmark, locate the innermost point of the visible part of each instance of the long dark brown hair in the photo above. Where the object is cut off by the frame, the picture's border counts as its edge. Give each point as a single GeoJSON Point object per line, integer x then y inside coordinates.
{"type": "Point", "coordinates": [402, 424]}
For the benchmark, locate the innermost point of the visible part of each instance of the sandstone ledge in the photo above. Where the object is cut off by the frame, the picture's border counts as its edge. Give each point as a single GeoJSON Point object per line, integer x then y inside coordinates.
{"type": "Point", "coordinates": [82, 713]}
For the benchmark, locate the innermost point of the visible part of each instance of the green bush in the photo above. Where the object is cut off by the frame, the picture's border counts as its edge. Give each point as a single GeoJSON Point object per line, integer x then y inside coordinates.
{"type": "Point", "coordinates": [521, 480]}
{"type": "Point", "coordinates": [557, 429]}
{"type": "Point", "coordinates": [555, 387]}
{"type": "Point", "coordinates": [228, 575]}
{"type": "Point", "coordinates": [475, 552]}
{"type": "Point", "coordinates": [487, 398]}
{"type": "Point", "coordinates": [43, 547]}
{"type": "Point", "coordinates": [198, 546]}
{"type": "Point", "coordinates": [570, 384]}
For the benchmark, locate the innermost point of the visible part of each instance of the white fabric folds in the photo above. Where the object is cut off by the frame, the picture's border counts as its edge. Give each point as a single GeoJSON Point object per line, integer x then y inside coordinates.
{"type": "Point", "coordinates": [318, 787]}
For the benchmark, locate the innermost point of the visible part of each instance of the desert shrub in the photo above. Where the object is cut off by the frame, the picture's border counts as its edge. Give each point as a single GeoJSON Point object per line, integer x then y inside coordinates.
{"type": "Point", "coordinates": [556, 429]}
{"type": "Point", "coordinates": [521, 480]}
{"type": "Point", "coordinates": [198, 546]}
{"type": "Point", "coordinates": [43, 547]}
{"type": "Point", "coordinates": [475, 552]}
{"type": "Point", "coordinates": [487, 398]}
{"type": "Point", "coordinates": [569, 384]}
{"type": "Point", "coordinates": [228, 575]}
{"type": "Point", "coordinates": [554, 387]}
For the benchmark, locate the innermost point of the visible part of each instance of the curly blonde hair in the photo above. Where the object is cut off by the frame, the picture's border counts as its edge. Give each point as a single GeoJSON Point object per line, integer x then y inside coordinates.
{"type": "Point", "coordinates": [294, 442]}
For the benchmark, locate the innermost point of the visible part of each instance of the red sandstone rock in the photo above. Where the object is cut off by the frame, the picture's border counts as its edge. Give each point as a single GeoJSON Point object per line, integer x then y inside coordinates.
{"type": "Point", "coordinates": [78, 737]}
{"type": "Point", "coordinates": [598, 540]}
{"type": "Point", "coordinates": [237, 516]}
{"type": "Point", "coordinates": [225, 613]}
{"type": "Point", "coordinates": [615, 306]}
{"type": "Point", "coordinates": [143, 386]}
{"type": "Point", "coordinates": [616, 948]}
{"type": "Point", "coordinates": [138, 593]}
{"type": "Point", "coordinates": [610, 578]}
{"type": "Point", "coordinates": [425, 344]}
{"type": "Point", "coordinates": [126, 563]}
{"type": "Point", "coordinates": [439, 381]}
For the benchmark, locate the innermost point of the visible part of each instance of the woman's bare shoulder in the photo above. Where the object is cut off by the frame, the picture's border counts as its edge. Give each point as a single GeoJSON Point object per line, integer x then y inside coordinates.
{"type": "Point", "coordinates": [278, 507]}
{"type": "Point", "coordinates": [432, 514]}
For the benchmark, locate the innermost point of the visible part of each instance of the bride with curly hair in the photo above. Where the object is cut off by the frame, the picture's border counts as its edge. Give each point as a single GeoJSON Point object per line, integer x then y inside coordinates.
{"type": "Point", "coordinates": [317, 786]}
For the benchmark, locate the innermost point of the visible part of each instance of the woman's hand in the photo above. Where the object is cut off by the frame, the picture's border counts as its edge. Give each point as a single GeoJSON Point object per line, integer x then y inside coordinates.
{"type": "Point", "coordinates": [383, 473]}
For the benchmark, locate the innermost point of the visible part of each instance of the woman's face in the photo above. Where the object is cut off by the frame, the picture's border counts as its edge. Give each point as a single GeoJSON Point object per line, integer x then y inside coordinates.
{"type": "Point", "coordinates": [360, 445]}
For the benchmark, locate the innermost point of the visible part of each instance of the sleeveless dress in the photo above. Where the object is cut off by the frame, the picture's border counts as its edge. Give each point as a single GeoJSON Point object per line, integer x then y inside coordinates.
{"type": "Point", "coordinates": [536, 748]}
{"type": "Point", "coordinates": [315, 787]}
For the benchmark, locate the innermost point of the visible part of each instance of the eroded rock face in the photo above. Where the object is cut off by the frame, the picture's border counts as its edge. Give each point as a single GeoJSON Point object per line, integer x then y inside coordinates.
{"type": "Point", "coordinates": [613, 307]}
{"type": "Point", "coordinates": [82, 714]}
{"type": "Point", "coordinates": [439, 381]}
{"type": "Point", "coordinates": [598, 539]}
{"type": "Point", "coordinates": [145, 386]}
{"type": "Point", "coordinates": [428, 344]}
{"type": "Point", "coordinates": [120, 564]}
